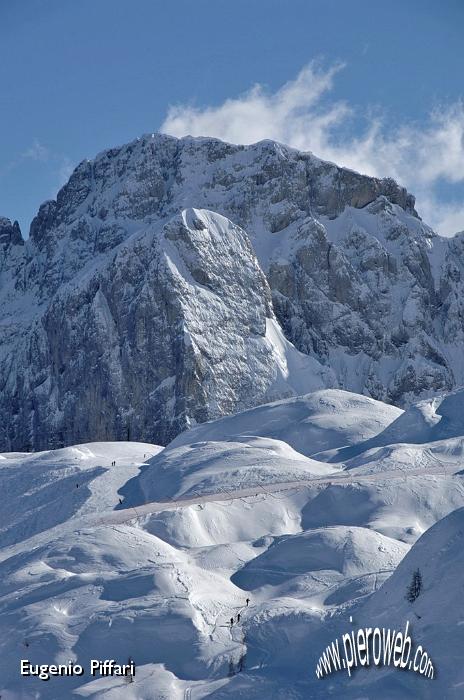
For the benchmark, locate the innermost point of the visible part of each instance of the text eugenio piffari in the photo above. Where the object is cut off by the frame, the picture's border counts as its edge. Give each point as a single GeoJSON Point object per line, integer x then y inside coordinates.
{"type": "Point", "coordinates": [97, 667]}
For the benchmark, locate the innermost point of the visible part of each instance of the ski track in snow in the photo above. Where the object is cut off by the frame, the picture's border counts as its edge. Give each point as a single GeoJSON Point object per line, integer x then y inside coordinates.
{"type": "Point", "coordinates": [134, 512]}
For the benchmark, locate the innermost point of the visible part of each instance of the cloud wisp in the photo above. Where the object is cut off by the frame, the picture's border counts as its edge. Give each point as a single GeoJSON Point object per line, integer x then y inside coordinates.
{"type": "Point", "coordinates": [36, 152]}
{"type": "Point", "coordinates": [302, 114]}
{"type": "Point", "coordinates": [58, 165]}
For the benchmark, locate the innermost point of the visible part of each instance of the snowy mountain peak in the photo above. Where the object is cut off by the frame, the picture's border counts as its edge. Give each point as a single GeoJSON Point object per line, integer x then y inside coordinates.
{"type": "Point", "coordinates": [317, 272]}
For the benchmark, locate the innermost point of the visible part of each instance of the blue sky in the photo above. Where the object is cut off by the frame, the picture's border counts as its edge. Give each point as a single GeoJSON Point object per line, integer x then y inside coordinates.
{"type": "Point", "coordinates": [373, 85]}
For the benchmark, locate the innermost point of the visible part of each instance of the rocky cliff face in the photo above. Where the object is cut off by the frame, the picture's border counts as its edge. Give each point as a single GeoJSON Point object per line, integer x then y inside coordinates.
{"type": "Point", "coordinates": [149, 296]}
{"type": "Point", "coordinates": [174, 327]}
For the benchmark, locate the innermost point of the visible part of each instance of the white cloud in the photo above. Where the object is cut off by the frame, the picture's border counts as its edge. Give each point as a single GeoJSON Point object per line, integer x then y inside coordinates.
{"type": "Point", "coordinates": [301, 114]}
{"type": "Point", "coordinates": [36, 152]}
{"type": "Point", "coordinates": [283, 116]}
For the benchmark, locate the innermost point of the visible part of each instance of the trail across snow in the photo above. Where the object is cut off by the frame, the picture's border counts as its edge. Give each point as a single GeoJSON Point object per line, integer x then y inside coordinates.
{"type": "Point", "coordinates": [127, 514]}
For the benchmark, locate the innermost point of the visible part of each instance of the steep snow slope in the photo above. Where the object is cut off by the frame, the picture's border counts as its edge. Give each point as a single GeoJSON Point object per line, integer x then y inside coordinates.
{"type": "Point", "coordinates": [86, 578]}
{"type": "Point", "coordinates": [120, 305]}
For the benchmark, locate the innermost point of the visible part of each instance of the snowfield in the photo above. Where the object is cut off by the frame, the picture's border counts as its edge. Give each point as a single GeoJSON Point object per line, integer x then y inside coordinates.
{"type": "Point", "coordinates": [315, 509]}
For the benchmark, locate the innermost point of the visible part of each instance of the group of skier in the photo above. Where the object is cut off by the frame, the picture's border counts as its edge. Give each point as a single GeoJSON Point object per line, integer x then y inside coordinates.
{"type": "Point", "coordinates": [238, 615]}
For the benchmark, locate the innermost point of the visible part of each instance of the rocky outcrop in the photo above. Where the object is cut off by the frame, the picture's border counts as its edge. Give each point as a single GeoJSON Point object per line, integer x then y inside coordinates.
{"type": "Point", "coordinates": [10, 233]}
{"type": "Point", "coordinates": [169, 331]}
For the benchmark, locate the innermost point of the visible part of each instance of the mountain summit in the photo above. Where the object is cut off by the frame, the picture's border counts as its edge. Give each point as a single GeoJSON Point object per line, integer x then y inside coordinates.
{"type": "Point", "coordinates": [174, 281]}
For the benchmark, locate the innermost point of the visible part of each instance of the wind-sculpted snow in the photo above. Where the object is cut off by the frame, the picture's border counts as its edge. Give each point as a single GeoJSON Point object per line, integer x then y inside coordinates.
{"type": "Point", "coordinates": [428, 421]}
{"type": "Point", "coordinates": [348, 551]}
{"type": "Point", "coordinates": [124, 318]}
{"type": "Point", "coordinates": [440, 418]}
{"type": "Point", "coordinates": [118, 550]}
{"type": "Point", "coordinates": [209, 467]}
{"type": "Point", "coordinates": [313, 423]}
